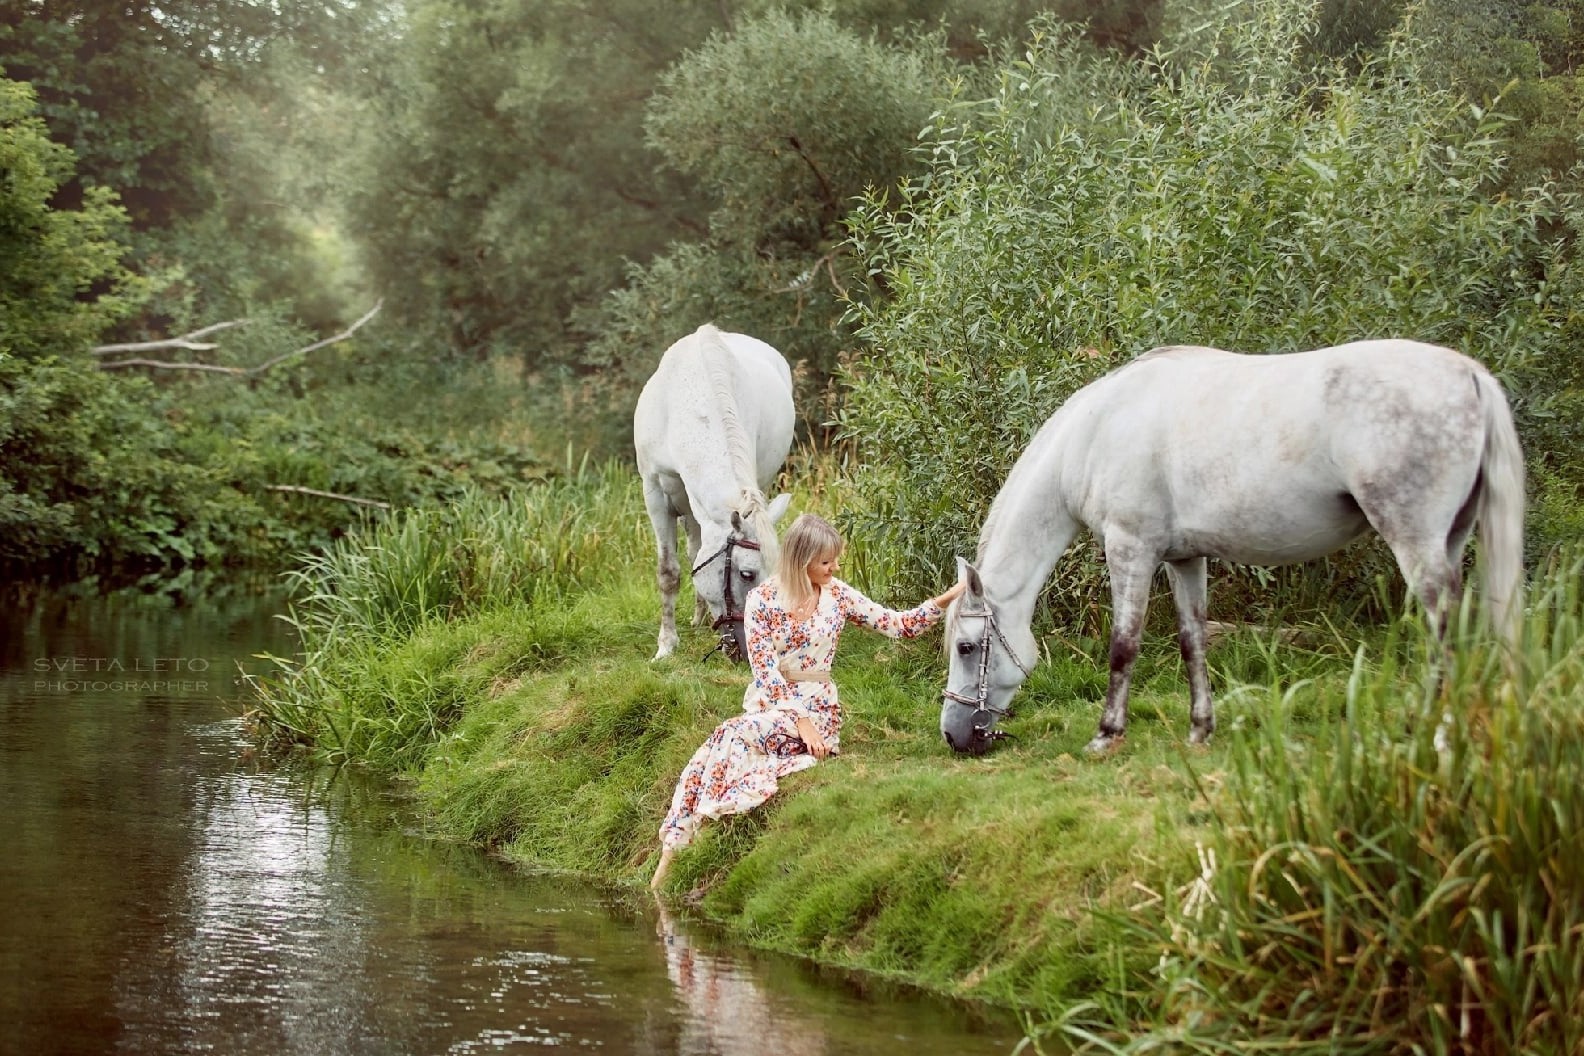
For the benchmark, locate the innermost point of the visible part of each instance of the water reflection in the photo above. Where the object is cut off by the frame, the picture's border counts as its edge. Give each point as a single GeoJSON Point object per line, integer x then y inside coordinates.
{"type": "Point", "coordinates": [162, 893]}
{"type": "Point", "coordinates": [729, 1012]}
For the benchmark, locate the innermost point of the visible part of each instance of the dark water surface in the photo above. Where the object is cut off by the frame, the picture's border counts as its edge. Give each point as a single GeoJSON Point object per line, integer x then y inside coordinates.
{"type": "Point", "coordinates": [162, 892]}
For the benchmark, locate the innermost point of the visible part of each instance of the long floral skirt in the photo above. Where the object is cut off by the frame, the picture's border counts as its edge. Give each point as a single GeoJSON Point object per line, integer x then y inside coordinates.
{"type": "Point", "coordinates": [733, 771]}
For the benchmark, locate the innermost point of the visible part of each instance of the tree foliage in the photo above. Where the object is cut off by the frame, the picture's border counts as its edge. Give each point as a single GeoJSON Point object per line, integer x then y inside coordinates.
{"type": "Point", "coordinates": [782, 125]}
{"type": "Point", "coordinates": [62, 276]}
{"type": "Point", "coordinates": [502, 181]}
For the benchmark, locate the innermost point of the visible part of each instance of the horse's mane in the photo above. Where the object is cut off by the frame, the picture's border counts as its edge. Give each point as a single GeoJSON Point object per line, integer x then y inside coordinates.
{"type": "Point", "coordinates": [715, 354]}
{"type": "Point", "coordinates": [750, 503]}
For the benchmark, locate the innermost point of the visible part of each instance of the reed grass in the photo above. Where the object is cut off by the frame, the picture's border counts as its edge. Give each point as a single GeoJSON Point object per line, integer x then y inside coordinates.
{"type": "Point", "coordinates": [1408, 880]}
{"type": "Point", "coordinates": [378, 613]}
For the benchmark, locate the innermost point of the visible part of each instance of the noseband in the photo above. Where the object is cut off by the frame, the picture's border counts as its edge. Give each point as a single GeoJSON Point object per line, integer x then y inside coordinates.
{"type": "Point", "coordinates": [980, 702]}
{"type": "Point", "coordinates": [732, 614]}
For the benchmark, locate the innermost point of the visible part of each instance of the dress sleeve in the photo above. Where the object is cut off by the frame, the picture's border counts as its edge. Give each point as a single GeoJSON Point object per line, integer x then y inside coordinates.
{"type": "Point", "coordinates": [893, 623]}
{"type": "Point", "coordinates": [761, 620]}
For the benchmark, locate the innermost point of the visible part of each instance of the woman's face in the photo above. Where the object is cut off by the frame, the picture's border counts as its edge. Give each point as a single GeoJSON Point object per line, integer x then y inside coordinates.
{"type": "Point", "coordinates": [822, 569]}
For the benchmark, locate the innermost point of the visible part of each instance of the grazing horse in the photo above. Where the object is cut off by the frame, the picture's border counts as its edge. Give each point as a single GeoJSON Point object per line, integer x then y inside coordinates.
{"type": "Point", "coordinates": [1190, 453]}
{"type": "Point", "coordinates": [712, 427]}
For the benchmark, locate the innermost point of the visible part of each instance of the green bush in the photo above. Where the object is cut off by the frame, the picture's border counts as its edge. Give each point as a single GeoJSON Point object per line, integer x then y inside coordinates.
{"type": "Point", "coordinates": [1090, 210]}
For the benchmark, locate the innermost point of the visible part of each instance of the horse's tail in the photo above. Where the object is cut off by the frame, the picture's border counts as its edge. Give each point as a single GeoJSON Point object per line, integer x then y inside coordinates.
{"type": "Point", "coordinates": [1501, 511]}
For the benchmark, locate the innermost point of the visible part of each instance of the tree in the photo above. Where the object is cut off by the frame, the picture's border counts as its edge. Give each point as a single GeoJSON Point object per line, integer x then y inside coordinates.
{"type": "Point", "coordinates": [783, 125]}
{"type": "Point", "coordinates": [503, 181]}
{"type": "Point", "coordinates": [62, 276]}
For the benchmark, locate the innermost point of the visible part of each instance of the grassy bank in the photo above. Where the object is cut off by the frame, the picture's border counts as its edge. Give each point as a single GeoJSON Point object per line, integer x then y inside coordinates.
{"type": "Point", "coordinates": [498, 655]}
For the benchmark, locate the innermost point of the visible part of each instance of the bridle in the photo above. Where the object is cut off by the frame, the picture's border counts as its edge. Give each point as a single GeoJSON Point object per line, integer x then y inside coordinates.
{"type": "Point", "coordinates": [732, 614]}
{"type": "Point", "coordinates": [980, 702]}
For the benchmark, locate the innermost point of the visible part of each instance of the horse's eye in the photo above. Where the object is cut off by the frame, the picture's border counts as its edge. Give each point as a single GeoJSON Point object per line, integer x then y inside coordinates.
{"type": "Point", "coordinates": [964, 648]}
{"type": "Point", "coordinates": [747, 574]}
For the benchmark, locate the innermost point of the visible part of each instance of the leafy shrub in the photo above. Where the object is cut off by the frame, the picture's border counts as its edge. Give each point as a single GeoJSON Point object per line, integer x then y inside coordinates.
{"type": "Point", "coordinates": [782, 124]}
{"type": "Point", "coordinates": [1090, 210]}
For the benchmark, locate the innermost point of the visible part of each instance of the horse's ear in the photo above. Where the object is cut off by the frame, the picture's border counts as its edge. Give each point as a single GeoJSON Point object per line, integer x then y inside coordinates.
{"type": "Point", "coordinates": [968, 574]}
{"type": "Point", "coordinates": [778, 507]}
{"type": "Point", "coordinates": [736, 521]}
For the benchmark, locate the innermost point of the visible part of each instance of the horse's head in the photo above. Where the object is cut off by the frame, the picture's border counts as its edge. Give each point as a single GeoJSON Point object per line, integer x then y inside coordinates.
{"type": "Point", "coordinates": [738, 555]}
{"type": "Point", "coordinates": [984, 667]}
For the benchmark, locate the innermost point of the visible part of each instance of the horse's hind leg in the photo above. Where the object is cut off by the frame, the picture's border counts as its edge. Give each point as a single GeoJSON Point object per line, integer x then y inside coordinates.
{"type": "Point", "coordinates": [1190, 590]}
{"type": "Point", "coordinates": [1429, 572]}
{"type": "Point", "coordinates": [1132, 567]}
{"type": "Point", "coordinates": [668, 573]}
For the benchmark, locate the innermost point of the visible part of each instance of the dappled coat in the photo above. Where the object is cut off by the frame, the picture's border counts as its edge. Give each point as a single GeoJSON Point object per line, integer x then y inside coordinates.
{"type": "Point", "coordinates": [740, 764]}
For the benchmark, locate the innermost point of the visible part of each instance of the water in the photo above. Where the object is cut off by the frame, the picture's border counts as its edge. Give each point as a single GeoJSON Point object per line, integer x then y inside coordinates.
{"type": "Point", "coordinates": [161, 891]}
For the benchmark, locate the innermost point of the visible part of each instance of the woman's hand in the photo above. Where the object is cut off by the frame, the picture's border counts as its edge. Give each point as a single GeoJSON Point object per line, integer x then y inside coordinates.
{"type": "Point", "coordinates": [951, 594]}
{"type": "Point", "coordinates": [811, 738]}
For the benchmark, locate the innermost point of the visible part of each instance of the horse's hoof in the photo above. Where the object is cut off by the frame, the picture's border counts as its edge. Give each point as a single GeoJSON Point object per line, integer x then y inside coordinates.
{"type": "Point", "coordinates": [1199, 738]}
{"type": "Point", "coordinates": [1105, 744]}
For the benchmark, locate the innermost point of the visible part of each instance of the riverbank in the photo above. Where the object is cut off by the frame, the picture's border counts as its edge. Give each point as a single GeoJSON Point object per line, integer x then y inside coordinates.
{"type": "Point", "coordinates": [498, 657]}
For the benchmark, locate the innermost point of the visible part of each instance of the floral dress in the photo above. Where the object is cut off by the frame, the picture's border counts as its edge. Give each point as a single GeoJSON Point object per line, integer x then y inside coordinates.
{"type": "Point", "coordinates": [740, 764]}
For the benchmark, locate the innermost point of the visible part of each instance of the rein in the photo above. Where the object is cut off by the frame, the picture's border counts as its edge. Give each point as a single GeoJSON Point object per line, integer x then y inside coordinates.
{"type": "Point", "coordinates": [980, 702]}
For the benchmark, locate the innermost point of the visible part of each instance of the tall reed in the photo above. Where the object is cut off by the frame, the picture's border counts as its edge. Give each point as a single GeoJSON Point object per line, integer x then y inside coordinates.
{"type": "Point", "coordinates": [471, 555]}
{"type": "Point", "coordinates": [1412, 883]}
{"type": "Point", "coordinates": [375, 611]}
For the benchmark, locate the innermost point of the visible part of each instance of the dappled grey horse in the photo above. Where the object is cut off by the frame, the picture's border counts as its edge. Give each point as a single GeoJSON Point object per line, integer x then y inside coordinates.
{"type": "Point", "coordinates": [1190, 453]}
{"type": "Point", "coordinates": [712, 427]}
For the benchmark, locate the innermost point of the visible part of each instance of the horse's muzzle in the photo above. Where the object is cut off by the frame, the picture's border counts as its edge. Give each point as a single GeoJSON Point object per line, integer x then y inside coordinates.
{"type": "Point", "coordinates": [974, 737]}
{"type": "Point", "coordinates": [977, 742]}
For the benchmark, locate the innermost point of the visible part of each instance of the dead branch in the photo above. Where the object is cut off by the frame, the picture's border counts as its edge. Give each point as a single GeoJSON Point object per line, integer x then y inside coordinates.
{"type": "Point", "coordinates": [316, 493]}
{"type": "Point", "coordinates": [317, 345]}
{"type": "Point", "coordinates": [187, 341]}
{"type": "Point", "coordinates": [805, 279]}
{"type": "Point", "coordinates": [240, 372]}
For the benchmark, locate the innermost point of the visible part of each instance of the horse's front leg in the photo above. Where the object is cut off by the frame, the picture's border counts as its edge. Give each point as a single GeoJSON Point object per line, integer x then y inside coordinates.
{"type": "Point", "coordinates": [701, 612]}
{"type": "Point", "coordinates": [668, 573]}
{"type": "Point", "coordinates": [1190, 590]}
{"type": "Point", "coordinates": [1132, 567]}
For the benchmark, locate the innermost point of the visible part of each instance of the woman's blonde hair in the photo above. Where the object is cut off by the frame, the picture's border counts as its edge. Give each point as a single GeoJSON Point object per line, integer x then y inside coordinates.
{"type": "Point", "coordinates": [811, 538]}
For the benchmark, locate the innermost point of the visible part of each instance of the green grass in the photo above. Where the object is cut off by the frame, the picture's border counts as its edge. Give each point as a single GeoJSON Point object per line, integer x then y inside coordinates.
{"type": "Point", "coordinates": [509, 677]}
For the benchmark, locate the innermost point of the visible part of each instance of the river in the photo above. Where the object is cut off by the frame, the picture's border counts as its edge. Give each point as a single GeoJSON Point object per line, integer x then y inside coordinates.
{"type": "Point", "coordinates": [164, 891]}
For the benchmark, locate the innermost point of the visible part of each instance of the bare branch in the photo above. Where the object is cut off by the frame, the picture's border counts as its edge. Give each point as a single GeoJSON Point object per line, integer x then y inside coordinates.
{"type": "Point", "coordinates": [187, 341]}
{"type": "Point", "coordinates": [825, 185]}
{"type": "Point", "coordinates": [155, 364]}
{"type": "Point", "coordinates": [316, 493]}
{"type": "Point", "coordinates": [317, 345]}
{"type": "Point", "coordinates": [237, 372]}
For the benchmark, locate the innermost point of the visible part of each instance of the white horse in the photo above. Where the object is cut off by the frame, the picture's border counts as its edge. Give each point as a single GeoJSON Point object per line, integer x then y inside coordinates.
{"type": "Point", "coordinates": [1189, 453]}
{"type": "Point", "coordinates": [712, 427]}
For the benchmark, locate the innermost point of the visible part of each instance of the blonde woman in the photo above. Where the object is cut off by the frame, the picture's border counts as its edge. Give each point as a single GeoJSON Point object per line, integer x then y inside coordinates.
{"type": "Point", "coordinates": [791, 716]}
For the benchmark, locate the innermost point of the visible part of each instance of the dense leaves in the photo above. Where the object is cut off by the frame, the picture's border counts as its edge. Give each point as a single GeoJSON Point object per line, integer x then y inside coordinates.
{"type": "Point", "coordinates": [61, 270]}
{"type": "Point", "coordinates": [784, 124]}
{"type": "Point", "coordinates": [1091, 210]}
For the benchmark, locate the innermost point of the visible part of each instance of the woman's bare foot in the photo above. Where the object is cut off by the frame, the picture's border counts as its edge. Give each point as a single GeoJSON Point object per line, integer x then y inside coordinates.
{"type": "Point", "coordinates": [661, 869]}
